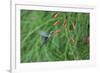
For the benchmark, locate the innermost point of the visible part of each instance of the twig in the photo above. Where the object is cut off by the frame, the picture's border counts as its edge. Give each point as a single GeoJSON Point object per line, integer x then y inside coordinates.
{"type": "Point", "coordinates": [55, 15]}
{"type": "Point", "coordinates": [56, 23]}
{"type": "Point", "coordinates": [73, 25]}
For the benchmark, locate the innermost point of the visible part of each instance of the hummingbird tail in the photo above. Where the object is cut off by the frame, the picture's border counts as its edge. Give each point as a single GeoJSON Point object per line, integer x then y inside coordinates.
{"type": "Point", "coordinates": [42, 45]}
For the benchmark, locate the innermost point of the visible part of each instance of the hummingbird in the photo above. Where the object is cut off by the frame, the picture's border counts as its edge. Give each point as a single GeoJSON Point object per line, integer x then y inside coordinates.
{"type": "Point", "coordinates": [45, 36]}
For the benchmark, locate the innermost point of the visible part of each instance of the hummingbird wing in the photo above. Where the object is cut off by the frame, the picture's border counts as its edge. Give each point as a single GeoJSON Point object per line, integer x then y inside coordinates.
{"type": "Point", "coordinates": [44, 34]}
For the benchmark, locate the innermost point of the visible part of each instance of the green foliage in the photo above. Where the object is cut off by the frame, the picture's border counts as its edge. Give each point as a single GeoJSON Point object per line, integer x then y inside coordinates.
{"type": "Point", "coordinates": [71, 43]}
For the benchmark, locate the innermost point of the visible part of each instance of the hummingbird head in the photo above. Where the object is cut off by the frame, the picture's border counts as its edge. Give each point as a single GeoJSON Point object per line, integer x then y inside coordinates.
{"type": "Point", "coordinates": [50, 33]}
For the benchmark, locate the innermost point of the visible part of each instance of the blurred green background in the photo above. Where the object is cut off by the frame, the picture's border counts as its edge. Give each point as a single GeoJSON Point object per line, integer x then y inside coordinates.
{"type": "Point", "coordinates": [70, 43]}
